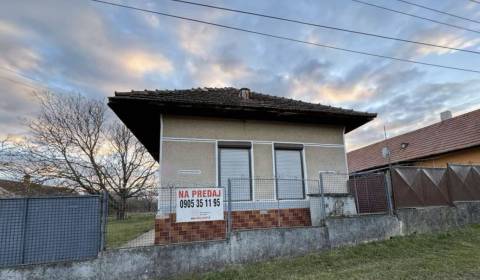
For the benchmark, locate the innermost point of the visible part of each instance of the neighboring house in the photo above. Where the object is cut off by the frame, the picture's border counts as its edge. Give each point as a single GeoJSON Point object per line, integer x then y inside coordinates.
{"type": "Point", "coordinates": [11, 189]}
{"type": "Point", "coordinates": [204, 136]}
{"type": "Point", "coordinates": [452, 140]}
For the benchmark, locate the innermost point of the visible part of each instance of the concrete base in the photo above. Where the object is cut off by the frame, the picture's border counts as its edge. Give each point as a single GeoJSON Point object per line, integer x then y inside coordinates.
{"type": "Point", "coordinates": [250, 246]}
{"type": "Point", "coordinates": [336, 205]}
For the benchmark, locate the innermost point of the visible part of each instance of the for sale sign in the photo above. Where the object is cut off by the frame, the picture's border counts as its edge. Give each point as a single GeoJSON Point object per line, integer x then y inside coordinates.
{"type": "Point", "coordinates": [199, 204]}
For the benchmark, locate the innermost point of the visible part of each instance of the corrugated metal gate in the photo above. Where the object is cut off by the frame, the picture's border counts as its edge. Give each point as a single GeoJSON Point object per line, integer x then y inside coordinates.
{"type": "Point", "coordinates": [413, 187]}
{"type": "Point", "coordinates": [47, 229]}
{"type": "Point", "coordinates": [420, 187]}
{"type": "Point", "coordinates": [466, 179]}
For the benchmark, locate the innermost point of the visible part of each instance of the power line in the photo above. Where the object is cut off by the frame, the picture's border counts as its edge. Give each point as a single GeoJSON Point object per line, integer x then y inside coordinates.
{"type": "Point", "coordinates": [475, 1]}
{"type": "Point", "coordinates": [437, 11]}
{"type": "Point", "coordinates": [284, 38]}
{"type": "Point", "coordinates": [324, 26]}
{"type": "Point", "coordinates": [415, 16]}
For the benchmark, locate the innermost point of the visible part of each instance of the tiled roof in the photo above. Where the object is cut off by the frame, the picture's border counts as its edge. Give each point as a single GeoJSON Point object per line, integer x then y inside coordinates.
{"type": "Point", "coordinates": [140, 110]}
{"type": "Point", "coordinates": [230, 97]}
{"type": "Point", "coordinates": [19, 189]}
{"type": "Point", "coordinates": [449, 135]}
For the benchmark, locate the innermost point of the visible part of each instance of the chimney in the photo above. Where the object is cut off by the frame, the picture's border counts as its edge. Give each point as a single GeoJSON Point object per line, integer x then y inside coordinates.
{"type": "Point", "coordinates": [445, 115]}
{"type": "Point", "coordinates": [244, 93]}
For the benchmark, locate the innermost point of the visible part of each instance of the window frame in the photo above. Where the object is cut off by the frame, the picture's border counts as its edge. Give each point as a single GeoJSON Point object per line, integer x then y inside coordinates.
{"type": "Point", "coordinates": [247, 146]}
{"type": "Point", "coordinates": [289, 147]}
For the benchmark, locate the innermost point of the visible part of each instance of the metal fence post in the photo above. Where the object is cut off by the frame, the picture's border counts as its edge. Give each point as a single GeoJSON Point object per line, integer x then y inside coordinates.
{"type": "Point", "coordinates": [104, 220]}
{"type": "Point", "coordinates": [356, 194]}
{"type": "Point", "coordinates": [229, 213]}
{"type": "Point", "coordinates": [278, 204]}
{"type": "Point", "coordinates": [170, 212]}
{"type": "Point", "coordinates": [324, 211]}
{"type": "Point", "coordinates": [24, 232]}
{"type": "Point", "coordinates": [388, 191]}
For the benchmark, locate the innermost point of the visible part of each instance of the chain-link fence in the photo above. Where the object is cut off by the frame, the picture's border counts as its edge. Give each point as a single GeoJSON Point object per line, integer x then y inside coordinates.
{"type": "Point", "coordinates": [190, 213]}
{"type": "Point", "coordinates": [271, 202]}
{"type": "Point", "coordinates": [338, 200]}
{"type": "Point", "coordinates": [198, 212]}
{"type": "Point", "coordinates": [137, 226]}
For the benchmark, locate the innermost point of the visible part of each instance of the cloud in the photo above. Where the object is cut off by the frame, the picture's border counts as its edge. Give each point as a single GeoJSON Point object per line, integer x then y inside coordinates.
{"type": "Point", "coordinates": [141, 63]}
{"type": "Point", "coordinates": [443, 38]}
{"type": "Point", "coordinates": [417, 107]}
{"type": "Point", "coordinates": [96, 49]}
{"type": "Point", "coordinates": [196, 39]}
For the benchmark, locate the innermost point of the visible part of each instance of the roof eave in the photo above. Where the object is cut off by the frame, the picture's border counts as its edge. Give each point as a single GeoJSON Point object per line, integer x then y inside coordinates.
{"type": "Point", "coordinates": [133, 110]}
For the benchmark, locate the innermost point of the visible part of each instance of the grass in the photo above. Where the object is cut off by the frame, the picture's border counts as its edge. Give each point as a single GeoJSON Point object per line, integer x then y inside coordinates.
{"type": "Point", "coordinates": [121, 231]}
{"type": "Point", "coordinates": [451, 255]}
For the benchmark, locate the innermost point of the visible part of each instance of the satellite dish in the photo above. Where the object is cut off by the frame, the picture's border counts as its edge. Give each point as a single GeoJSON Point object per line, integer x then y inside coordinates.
{"type": "Point", "coordinates": [385, 152]}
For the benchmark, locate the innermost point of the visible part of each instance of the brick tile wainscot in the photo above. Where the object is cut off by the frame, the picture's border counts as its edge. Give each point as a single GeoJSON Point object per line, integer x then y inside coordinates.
{"type": "Point", "coordinates": [167, 231]}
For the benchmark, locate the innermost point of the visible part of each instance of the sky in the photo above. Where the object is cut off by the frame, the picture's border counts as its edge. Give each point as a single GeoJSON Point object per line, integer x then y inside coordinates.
{"type": "Point", "coordinates": [94, 49]}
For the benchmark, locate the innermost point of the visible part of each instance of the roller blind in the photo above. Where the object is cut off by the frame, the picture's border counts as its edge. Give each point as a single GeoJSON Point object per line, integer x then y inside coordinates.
{"type": "Point", "coordinates": [235, 163]}
{"type": "Point", "coordinates": [289, 173]}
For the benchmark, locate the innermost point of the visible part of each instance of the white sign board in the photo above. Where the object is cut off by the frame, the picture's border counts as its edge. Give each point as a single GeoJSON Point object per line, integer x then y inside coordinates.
{"type": "Point", "coordinates": [199, 204]}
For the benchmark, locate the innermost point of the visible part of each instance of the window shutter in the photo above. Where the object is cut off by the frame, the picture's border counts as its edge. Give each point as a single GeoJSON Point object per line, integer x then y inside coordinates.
{"type": "Point", "coordinates": [235, 163]}
{"type": "Point", "coordinates": [289, 173]}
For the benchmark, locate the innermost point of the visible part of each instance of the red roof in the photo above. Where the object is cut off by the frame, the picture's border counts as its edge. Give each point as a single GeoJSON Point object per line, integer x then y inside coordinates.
{"type": "Point", "coordinates": [446, 136]}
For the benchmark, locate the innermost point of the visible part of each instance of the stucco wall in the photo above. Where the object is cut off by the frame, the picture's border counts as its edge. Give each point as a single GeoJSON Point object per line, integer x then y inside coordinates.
{"type": "Point", "coordinates": [263, 168]}
{"type": "Point", "coordinates": [215, 128]}
{"type": "Point", "coordinates": [468, 156]}
{"type": "Point", "coordinates": [321, 159]}
{"type": "Point", "coordinates": [189, 143]}
{"type": "Point", "coordinates": [189, 162]}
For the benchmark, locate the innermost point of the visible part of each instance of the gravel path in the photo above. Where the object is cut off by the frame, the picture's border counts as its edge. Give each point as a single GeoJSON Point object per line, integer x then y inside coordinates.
{"type": "Point", "coordinates": [146, 239]}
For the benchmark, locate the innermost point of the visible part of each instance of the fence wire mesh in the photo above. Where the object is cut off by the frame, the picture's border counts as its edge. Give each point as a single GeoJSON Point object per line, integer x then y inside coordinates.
{"type": "Point", "coordinates": [247, 203]}
{"type": "Point", "coordinates": [274, 202]}
{"type": "Point", "coordinates": [48, 229]}
{"type": "Point", "coordinates": [370, 191]}
{"type": "Point", "coordinates": [338, 200]}
{"type": "Point", "coordinates": [136, 228]}
{"type": "Point", "coordinates": [38, 230]}
{"type": "Point", "coordinates": [175, 225]}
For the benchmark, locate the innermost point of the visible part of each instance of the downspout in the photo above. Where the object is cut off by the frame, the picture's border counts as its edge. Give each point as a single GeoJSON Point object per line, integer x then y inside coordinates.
{"type": "Point", "coordinates": [160, 211]}
{"type": "Point", "coordinates": [345, 151]}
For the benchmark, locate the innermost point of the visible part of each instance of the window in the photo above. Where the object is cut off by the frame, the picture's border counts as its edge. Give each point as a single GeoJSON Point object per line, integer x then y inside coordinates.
{"type": "Point", "coordinates": [234, 162]}
{"type": "Point", "coordinates": [289, 172]}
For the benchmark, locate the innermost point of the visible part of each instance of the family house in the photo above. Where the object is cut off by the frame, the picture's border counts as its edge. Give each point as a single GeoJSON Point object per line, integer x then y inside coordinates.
{"type": "Point", "coordinates": [206, 136]}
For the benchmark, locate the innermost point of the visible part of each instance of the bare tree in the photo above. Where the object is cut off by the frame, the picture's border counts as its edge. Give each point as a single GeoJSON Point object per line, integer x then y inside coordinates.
{"type": "Point", "coordinates": [4, 152]}
{"type": "Point", "coordinates": [14, 162]}
{"type": "Point", "coordinates": [130, 170]}
{"type": "Point", "coordinates": [73, 142]}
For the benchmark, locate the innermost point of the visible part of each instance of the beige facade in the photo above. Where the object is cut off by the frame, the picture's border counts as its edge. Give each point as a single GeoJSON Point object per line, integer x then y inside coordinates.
{"type": "Point", "coordinates": [231, 129]}
{"type": "Point", "coordinates": [188, 162]}
{"type": "Point", "coordinates": [189, 148]}
{"type": "Point", "coordinates": [470, 156]}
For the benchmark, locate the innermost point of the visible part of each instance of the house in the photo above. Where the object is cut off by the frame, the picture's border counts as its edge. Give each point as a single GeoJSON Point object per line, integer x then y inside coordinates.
{"type": "Point", "coordinates": [204, 136]}
{"type": "Point", "coordinates": [452, 140]}
{"type": "Point", "coordinates": [25, 188]}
